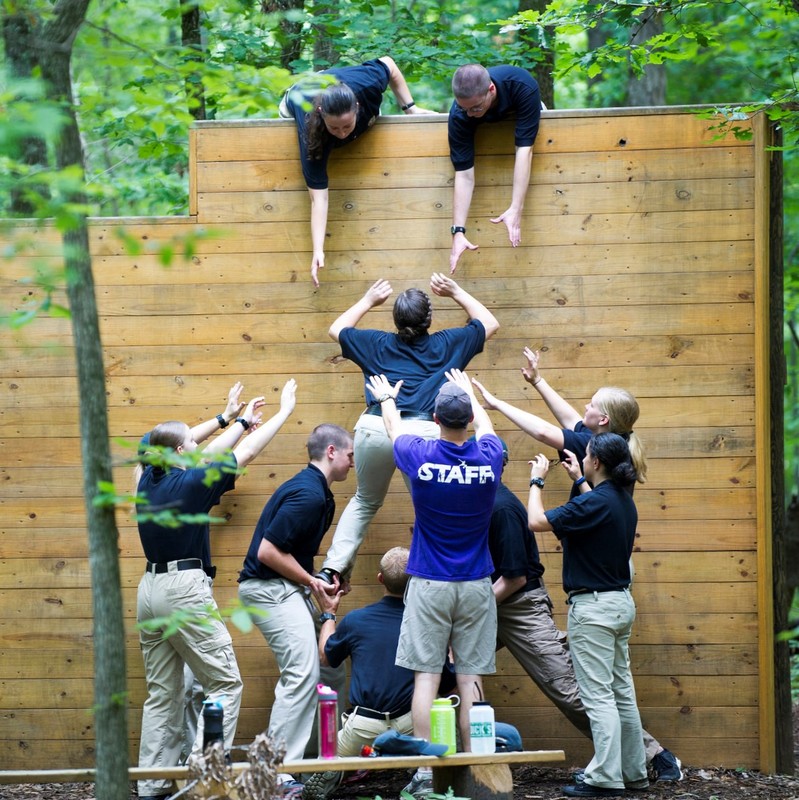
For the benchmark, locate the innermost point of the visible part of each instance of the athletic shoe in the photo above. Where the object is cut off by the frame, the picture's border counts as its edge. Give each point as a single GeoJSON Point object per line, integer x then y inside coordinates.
{"type": "Point", "coordinates": [587, 790]}
{"type": "Point", "coordinates": [290, 790]}
{"type": "Point", "coordinates": [667, 767]}
{"type": "Point", "coordinates": [579, 777]}
{"type": "Point", "coordinates": [321, 784]}
{"type": "Point", "coordinates": [421, 783]}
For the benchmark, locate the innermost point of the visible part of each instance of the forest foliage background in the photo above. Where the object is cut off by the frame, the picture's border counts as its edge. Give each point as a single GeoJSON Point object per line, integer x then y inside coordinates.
{"type": "Point", "coordinates": [144, 70]}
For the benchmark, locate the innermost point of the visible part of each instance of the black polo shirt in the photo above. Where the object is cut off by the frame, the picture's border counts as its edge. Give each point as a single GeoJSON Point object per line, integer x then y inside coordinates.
{"type": "Point", "coordinates": [597, 531]}
{"type": "Point", "coordinates": [295, 519]}
{"type": "Point", "coordinates": [182, 491]}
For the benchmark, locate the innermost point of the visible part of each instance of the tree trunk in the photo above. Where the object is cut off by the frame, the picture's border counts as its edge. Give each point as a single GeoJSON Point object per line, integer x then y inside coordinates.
{"type": "Point", "coordinates": [53, 44]}
{"type": "Point", "coordinates": [192, 40]}
{"type": "Point", "coordinates": [650, 88]}
{"type": "Point", "coordinates": [21, 60]}
{"type": "Point", "coordinates": [543, 69]}
{"type": "Point", "coordinates": [289, 31]}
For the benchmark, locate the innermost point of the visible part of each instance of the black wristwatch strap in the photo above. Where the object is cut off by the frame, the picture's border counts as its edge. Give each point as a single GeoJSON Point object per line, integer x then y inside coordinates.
{"type": "Point", "coordinates": [323, 618]}
{"type": "Point", "coordinates": [457, 229]}
{"type": "Point", "coordinates": [223, 423]}
{"type": "Point", "coordinates": [244, 423]}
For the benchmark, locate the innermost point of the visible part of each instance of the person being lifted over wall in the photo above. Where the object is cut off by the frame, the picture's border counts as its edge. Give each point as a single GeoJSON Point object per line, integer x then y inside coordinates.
{"type": "Point", "coordinates": [526, 627]}
{"type": "Point", "coordinates": [610, 409]}
{"type": "Point", "coordinates": [179, 576]}
{"type": "Point", "coordinates": [490, 95]}
{"type": "Point", "coordinates": [449, 601]}
{"type": "Point", "coordinates": [331, 109]}
{"type": "Point", "coordinates": [597, 530]}
{"type": "Point", "coordinates": [418, 357]}
{"type": "Point", "coordinates": [277, 579]}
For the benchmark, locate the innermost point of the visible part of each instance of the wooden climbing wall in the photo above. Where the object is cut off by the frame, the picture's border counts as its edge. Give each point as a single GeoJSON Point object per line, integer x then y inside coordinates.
{"type": "Point", "coordinates": [644, 263]}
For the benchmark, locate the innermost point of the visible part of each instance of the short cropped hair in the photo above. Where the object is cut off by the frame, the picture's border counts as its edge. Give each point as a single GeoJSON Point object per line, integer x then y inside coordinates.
{"type": "Point", "coordinates": [393, 566]}
{"type": "Point", "coordinates": [470, 80]}
{"type": "Point", "coordinates": [325, 434]}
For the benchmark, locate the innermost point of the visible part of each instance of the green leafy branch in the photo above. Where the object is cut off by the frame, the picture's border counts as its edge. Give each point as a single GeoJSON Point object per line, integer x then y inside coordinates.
{"type": "Point", "coordinates": [239, 615]}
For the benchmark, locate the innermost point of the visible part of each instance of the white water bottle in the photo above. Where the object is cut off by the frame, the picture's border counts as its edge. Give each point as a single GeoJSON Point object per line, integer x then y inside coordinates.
{"type": "Point", "coordinates": [482, 735]}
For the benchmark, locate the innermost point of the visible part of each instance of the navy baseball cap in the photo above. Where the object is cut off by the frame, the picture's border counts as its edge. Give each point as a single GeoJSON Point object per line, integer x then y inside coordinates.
{"type": "Point", "coordinates": [453, 406]}
{"type": "Point", "coordinates": [394, 743]}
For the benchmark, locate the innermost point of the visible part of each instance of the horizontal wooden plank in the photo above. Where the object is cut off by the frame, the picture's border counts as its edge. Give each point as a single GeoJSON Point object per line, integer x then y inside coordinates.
{"type": "Point", "coordinates": [427, 136]}
{"type": "Point", "coordinates": [668, 722]}
{"type": "Point", "coordinates": [340, 383]}
{"type": "Point", "coordinates": [669, 227]}
{"type": "Point", "coordinates": [530, 258]}
{"type": "Point", "coordinates": [688, 628]}
{"type": "Point", "coordinates": [651, 598]}
{"type": "Point", "coordinates": [654, 536]}
{"type": "Point", "coordinates": [652, 504]}
{"type": "Point", "coordinates": [205, 359]}
{"type": "Point", "coordinates": [260, 327]}
{"type": "Point", "coordinates": [262, 480]}
{"type": "Point", "coordinates": [434, 172]}
{"type": "Point", "coordinates": [218, 207]}
{"type": "Point", "coordinates": [651, 567]}
{"type": "Point", "coordinates": [663, 660]}
{"type": "Point", "coordinates": [505, 692]}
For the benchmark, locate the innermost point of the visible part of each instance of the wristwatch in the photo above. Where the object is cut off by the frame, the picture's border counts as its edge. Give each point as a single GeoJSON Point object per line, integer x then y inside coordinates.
{"type": "Point", "coordinates": [323, 618]}
{"type": "Point", "coordinates": [539, 482]}
{"type": "Point", "coordinates": [457, 229]}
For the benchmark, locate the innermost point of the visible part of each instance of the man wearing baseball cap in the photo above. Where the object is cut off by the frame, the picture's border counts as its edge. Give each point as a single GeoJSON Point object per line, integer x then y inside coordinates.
{"type": "Point", "coordinates": [449, 600]}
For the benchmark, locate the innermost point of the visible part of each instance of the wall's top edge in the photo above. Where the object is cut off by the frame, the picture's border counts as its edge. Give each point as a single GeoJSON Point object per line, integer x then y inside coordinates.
{"type": "Point", "coordinates": [402, 119]}
{"type": "Point", "coordinates": [29, 222]}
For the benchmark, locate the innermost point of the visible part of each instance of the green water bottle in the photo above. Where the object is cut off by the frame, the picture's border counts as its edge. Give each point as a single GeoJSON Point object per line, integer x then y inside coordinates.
{"type": "Point", "coordinates": [442, 722]}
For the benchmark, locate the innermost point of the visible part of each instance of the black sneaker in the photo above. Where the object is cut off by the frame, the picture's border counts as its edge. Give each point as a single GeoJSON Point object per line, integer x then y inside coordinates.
{"type": "Point", "coordinates": [587, 790]}
{"type": "Point", "coordinates": [327, 575]}
{"type": "Point", "coordinates": [667, 767]}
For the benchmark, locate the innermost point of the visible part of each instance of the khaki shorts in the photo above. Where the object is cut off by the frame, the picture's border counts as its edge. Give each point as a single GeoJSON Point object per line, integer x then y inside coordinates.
{"type": "Point", "coordinates": [438, 614]}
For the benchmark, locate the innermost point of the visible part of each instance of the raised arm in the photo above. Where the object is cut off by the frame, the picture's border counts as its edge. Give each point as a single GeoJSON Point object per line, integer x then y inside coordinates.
{"type": "Point", "coordinates": [482, 422]}
{"type": "Point", "coordinates": [319, 202]}
{"type": "Point", "coordinates": [566, 416]}
{"type": "Point", "coordinates": [234, 405]}
{"type": "Point", "coordinates": [512, 217]}
{"type": "Point", "coordinates": [386, 395]}
{"type": "Point", "coordinates": [444, 286]}
{"type": "Point", "coordinates": [545, 432]}
{"type": "Point", "coordinates": [536, 518]}
{"type": "Point", "coordinates": [376, 295]}
{"type": "Point", "coordinates": [461, 203]}
{"type": "Point", "coordinates": [398, 85]}
{"type": "Point", "coordinates": [252, 446]}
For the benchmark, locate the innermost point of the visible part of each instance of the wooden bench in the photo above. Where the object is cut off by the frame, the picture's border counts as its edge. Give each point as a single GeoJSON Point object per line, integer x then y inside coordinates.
{"type": "Point", "coordinates": [479, 777]}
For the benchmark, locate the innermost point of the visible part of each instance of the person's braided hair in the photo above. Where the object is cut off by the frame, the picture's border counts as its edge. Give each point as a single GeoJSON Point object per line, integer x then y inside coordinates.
{"type": "Point", "coordinates": [413, 314]}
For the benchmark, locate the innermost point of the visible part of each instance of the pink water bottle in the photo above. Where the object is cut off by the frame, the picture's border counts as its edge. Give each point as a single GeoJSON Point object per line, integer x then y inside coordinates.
{"type": "Point", "coordinates": [328, 721]}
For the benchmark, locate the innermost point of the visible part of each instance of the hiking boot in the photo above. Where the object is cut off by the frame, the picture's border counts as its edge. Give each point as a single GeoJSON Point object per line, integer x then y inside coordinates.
{"type": "Point", "coordinates": [667, 767]}
{"type": "Point", "coordinates": [321, 784]}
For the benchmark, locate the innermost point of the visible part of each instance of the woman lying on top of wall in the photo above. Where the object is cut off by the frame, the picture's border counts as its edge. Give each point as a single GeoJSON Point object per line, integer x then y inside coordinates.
{"type": "Point", "coordinates": [331, 112]}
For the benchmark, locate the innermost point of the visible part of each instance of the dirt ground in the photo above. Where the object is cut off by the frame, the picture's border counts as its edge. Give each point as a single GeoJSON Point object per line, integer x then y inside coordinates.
{"type": "Point", "coordinates": [530, 783]}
